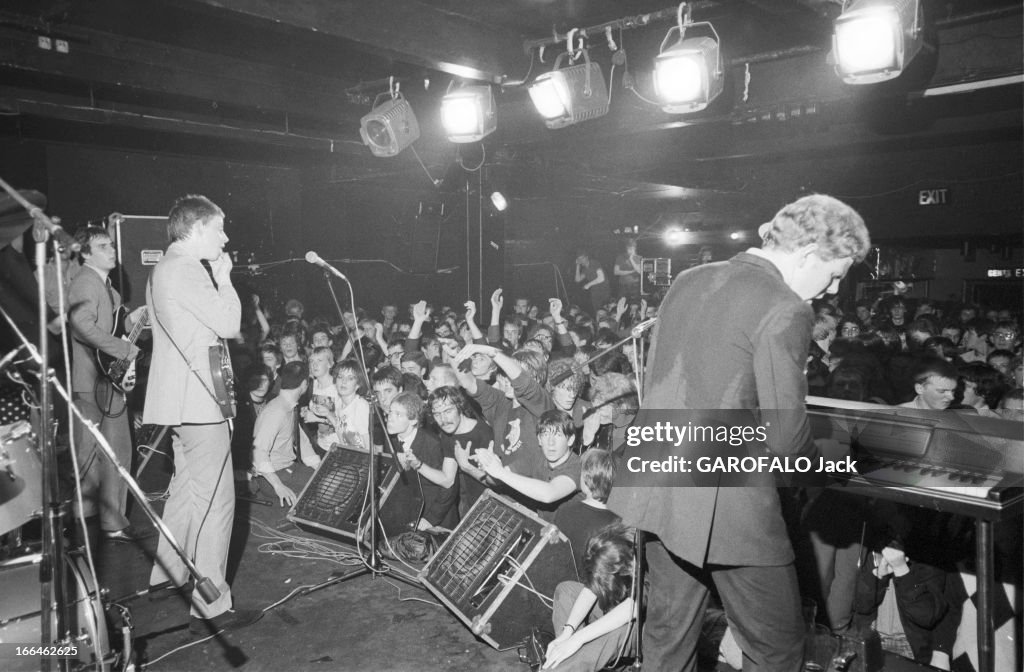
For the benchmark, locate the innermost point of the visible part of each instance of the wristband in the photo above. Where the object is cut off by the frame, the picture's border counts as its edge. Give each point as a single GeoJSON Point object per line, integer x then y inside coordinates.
{"type": "Point", "coordinates": [571, 627]}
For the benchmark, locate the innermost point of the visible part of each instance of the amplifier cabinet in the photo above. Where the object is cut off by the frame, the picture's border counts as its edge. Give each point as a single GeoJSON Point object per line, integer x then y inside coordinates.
{"type": "Point", "coordinates": [335, 496]}
{"type": "Point", "coordinates": [494, 568]}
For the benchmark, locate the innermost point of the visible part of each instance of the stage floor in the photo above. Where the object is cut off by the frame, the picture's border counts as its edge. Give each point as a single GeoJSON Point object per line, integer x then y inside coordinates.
{"type": "Point", "coordinates": [362, 623]}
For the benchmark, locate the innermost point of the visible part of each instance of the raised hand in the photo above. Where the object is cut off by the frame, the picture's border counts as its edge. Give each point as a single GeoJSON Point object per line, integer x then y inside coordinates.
{"type": "Point", "coordinates": [419, 311]}
{"type": "Point", "coordinates": [555, 308]}
{"type": "Point", "coordinates": [470, 310]}
{"type": "Point", "coordinates": [497, 302]}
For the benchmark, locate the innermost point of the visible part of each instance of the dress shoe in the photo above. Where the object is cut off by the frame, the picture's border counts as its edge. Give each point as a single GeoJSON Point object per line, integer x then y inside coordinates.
{"type": "Point", "coordinates": [126, 535]}
{"type": "Point", "coordinates": [161, 591]}
{"type": "Point", "coordinates": [232, 619]}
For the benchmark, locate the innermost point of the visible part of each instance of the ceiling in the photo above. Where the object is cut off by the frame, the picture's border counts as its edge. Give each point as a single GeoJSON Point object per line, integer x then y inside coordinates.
{"type": "Point", "coordinates": [285, 83]}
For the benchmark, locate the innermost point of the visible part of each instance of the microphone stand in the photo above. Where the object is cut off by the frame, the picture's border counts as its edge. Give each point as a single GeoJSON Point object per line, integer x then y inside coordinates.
{"type": "Point", "coordinates": [635, 335]}
{"type": "Point", "coordinates": [374, 567]}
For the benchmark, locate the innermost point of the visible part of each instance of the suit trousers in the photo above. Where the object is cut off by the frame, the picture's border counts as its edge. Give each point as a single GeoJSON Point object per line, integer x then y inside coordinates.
{"type": "Point", "coordinates": [103, 490]}
{"type": "Point", "coordinates": [762, 605]}
{"type": "Point", "coordinates": [199, 512]}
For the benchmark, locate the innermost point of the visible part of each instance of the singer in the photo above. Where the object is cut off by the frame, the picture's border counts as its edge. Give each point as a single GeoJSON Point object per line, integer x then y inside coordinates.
{"type": "Point", "coordinates": [192, 306]}
{"type": "Point", "coordinates": [746, 350]}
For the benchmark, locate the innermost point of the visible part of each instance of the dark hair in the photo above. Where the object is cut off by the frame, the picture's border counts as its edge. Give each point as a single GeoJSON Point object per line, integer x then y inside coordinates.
{"type": "Point", "coordinates": [534, 364]}
{"type": "Point", "coordinates": [418, 358]}
{"type": "Point", "coordinates": [352, 366]}
{"type": "Point", "coordinates": [273, 350]}
{"type": "Point", "coordinates": [987, 381]}
{"type": "Point", "coordinates": [292, 375]}
{"type": "Point", "coordinates": [85, 235]}
{"type": "Point", "coordinates": [940, 346]}
{"type": "Point", "coordinates": [255, 375]}
{"type": "Point", "coordinates": [608, 564]}
{"type": "Point", "coordinates": [388, 374]}
{"type": "Point", "coordinates": [450, 393]}
{"type": "Point", "coordinates": [559, 421]}
{"type": "Point", "coordinates": [598, 473]}
{"type": "Point", "coordinates": [187, 212]}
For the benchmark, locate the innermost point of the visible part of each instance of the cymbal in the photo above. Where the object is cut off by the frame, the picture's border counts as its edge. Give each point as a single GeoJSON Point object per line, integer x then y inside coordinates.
{"type": "Point", "coordinates": [14, 219]}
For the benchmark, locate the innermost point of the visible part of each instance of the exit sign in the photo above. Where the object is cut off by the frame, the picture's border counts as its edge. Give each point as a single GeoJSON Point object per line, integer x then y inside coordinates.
{"type": "Point", "coordinates": [934, 197]}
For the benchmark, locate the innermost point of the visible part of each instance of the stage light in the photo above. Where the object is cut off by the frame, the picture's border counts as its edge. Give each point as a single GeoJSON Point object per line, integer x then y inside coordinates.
{"type": "Point", "coordinates": [676, 236]}
{"type": "Point", "coordinates": [689, 74]}
{"type": "Point", "coordinates": [874, 40]}
{"type": "Point", "coordinates": [390, 127]}
{"type": "Point", "coordinates": [498, 201]}
{"type": "Point", "coordinates": [567, 96]}
{"type": "Point", "coordinates": [468, 114]}
{"type": "Point", "coordinates": [736, 235]}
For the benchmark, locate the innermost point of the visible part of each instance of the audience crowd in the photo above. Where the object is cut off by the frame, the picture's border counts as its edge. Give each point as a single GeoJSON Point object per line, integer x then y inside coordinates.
{"type": "Point", "coordinates": [519, 404]}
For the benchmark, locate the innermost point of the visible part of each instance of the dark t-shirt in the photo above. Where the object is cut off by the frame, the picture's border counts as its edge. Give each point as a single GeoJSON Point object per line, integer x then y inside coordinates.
{"type": "Point", "coordinates": [579, 521]}
{"type": "Point", "coordinates": [543, 472]}
{"type": "Point", "coordinates": [440, 505]}
{"type": "Point", "coordinates": [480, 436]}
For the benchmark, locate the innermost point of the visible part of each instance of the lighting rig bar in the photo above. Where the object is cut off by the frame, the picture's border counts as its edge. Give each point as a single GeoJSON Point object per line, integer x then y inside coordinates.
{"type": "Point", "coordinates": [625, 23]}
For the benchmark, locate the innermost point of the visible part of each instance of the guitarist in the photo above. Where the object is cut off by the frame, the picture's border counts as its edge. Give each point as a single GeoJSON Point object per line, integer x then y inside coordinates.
{"type": "Point", "coordinates": [191, 309]}
{"type": "Point", "coordinates": [92, 304]}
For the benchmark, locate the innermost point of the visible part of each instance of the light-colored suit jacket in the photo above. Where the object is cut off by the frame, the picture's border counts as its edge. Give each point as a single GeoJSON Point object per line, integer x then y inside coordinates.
{"type": "Point", "coordinates": [91, 316]}
{"type": "Point", "coordinates": [184, 305]}
{"type": "Point", "coordinates": [730, 335]}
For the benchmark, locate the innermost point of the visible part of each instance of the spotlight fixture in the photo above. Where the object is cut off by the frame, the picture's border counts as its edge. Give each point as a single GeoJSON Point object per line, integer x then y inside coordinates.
{"type": "Point", "coordinates": [469, 114]}
{"type": "Point", "coordinates": [689, 74]}
{"type": "Point", "coordinates": [874, 40]}
{"type": "Point", "coordinates": [567, 96]}
{"type": "Point", "coordinates": [389, 127]}
{"type": "Point", "coordinates": [498, 201]}
{"type": "Point", "coordinates": [676, 236]}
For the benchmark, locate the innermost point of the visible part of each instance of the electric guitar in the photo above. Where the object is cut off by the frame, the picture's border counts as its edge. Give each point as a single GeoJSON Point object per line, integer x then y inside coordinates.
{"type": "Point", "coordinates": [121, 371]}
{"type": "Point", "coordinates": [223, 377]}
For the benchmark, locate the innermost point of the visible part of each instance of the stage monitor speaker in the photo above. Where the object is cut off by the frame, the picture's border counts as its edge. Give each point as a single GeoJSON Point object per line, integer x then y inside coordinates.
{"type": "Point", "coordinates": [141, 242]}
{"type": "Point", "coordinates": [335, 496]}
{"type": "Point", "coordinates": [492, 570]}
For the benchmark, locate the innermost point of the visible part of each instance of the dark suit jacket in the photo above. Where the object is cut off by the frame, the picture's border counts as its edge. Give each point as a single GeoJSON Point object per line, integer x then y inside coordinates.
{"type": "Point", "coordinates": [731, 335]}
{"type": "Point", "coordinates": [91, 316]}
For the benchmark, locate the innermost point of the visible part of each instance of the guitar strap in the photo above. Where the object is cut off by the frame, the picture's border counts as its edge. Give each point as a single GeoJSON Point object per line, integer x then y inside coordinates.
{"type": "Point", "coordinates": [181, 352]}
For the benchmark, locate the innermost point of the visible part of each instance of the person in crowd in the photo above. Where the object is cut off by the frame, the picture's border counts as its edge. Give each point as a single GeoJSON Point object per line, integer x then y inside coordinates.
{"type": "Point", "coordinates": [1011, 406]}
{"type": "Point", "coordinates": [461, 433]}
{"type": "Point", "coordinates": [350, 415]}
{"type": "Point", "coordinates": [903, 596]}
{"type": "Point", "coordinates": [291, 350]}
{"type": "Point", "coordinates": [554, 483]}
{"type": "Point", "coordinates": [1006, 336]}
{"type": "Point", "coordinates": [590, 276]}
{"type": "Point", "coordinates": [982, 388]}
{"type": "Point", "coordinates": [747, 351]}
{"type": "Point", "coordinates": [321, 392]}
{"type": "Point", "coordinates": [579, 519]}
{"type": "Point", "coordinates": [1000, 361]}
{"type": "Point", "coordinates": [415, 363]}
{"type": "Point", "coordinates": [274, 437]}
{"type": "Point", "coordinates": [935, 383]}
{"type": "Point", "coordinates": [592, 617]}
{"type": "Point", "coordinates": [422, 453]}
{"type": "Point", "coordinates": [627, 271]}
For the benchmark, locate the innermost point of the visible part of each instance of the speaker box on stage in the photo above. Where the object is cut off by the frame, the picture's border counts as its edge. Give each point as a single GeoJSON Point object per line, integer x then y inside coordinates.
{"type": "Point", "coordinates": [494, 568]}
{"type": "Point", "coordinates": [335, 496]}
{"type": "Point", "coordinates": [141, 242]}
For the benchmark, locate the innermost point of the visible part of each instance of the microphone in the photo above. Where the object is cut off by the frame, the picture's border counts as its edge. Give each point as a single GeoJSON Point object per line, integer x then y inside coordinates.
{"type": "Point", "coordinates": [641, 327]}
{"type": "Point", "coordinates": [314, 258]}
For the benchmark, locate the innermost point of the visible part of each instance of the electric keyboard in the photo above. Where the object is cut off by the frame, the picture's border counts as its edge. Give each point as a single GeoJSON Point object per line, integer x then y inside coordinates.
{"type": "Point", "coordinates": [942, 460]}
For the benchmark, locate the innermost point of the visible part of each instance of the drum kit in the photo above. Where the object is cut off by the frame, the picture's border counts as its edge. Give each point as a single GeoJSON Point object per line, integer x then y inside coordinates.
{"type": "Point", "coordinates": [51, 609]}
{"type": "Point", "coordinates": [85, 636]}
